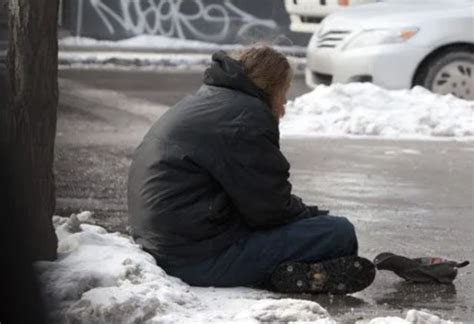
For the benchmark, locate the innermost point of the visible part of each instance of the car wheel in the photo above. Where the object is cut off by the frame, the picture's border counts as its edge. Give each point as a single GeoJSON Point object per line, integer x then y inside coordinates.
{"type": "Point", "coordinates": [449, 72]}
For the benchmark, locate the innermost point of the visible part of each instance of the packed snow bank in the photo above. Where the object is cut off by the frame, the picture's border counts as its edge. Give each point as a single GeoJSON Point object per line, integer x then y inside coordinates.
{"type": "Point", "coordinates": [413, 317]}
{"type": "Point", "coordinates": [163, 43]}
{"type": "Point", "coordinates": [102, 277]}
{"type": "Point", "coordinates": [152, 52]}
{"type": "Point", "coordinates": [145, 61]}
{"type": "Point", "coordinates": [363, 109]}
{"type": "Point", "coordinates": [143, 41]}
{"type": "Point", "coordinates": [134, 61]}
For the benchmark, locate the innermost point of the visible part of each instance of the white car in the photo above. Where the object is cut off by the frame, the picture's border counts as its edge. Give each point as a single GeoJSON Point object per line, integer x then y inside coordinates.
{"type": "Point", "coordinates": [305, 15]}
{"type": "Point", "coordinates": [397, 44]}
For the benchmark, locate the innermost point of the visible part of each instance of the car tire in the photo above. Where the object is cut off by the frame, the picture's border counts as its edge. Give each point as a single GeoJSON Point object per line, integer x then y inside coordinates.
{"type": "Point", "coordinates": [449, 72]}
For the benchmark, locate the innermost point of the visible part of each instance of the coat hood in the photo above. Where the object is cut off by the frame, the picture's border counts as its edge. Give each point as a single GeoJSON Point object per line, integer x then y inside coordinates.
{"type": "Point", "coordinates": [228, 73]}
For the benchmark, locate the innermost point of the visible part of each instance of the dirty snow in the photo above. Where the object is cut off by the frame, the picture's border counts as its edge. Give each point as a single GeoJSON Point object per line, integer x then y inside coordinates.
{"type": "Point", "coordinates": [145, 61]}
{"type": "Point", "coordinates": [102, 277]}
{"type": "Point", "coordinates": [143, 41]}
{"type": "Point", "coordinates": [136, 61]}
{"type": "Point", "coordinates": [364, 109]}
{"type": "Point", "coordinates": [153, 53]}
{"type": "Point", "coordinates": [413, 317]}
{"type": "Point", "coordinates": [162, 43]}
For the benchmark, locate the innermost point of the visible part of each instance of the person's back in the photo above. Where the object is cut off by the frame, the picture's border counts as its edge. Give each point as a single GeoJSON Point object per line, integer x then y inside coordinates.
{"type": "Point", "coordinates": [181, 213]}
{"type": "Point", "coordinates": [208, 191]}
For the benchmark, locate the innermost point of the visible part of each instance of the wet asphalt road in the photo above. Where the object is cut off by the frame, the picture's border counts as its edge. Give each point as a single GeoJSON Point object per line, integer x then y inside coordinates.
{"type": "Point", "coordinates": [414, 198]}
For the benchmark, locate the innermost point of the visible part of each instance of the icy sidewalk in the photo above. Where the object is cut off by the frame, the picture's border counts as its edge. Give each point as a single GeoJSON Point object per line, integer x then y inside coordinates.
{"type": "Point", "coordinates": [102, 277]}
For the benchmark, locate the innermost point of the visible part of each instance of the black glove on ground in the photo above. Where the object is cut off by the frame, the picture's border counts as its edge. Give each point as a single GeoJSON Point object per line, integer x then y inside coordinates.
{"type": "Point", "coordinates": [420, 270]}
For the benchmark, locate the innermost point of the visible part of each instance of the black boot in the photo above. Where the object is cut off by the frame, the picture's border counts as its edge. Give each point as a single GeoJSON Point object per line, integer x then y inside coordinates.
{"type": "Point", "coordinates": [338, 276]}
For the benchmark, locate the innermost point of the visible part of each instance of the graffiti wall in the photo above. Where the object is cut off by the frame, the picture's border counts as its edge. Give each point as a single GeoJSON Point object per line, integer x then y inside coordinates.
{"type": "Point", "coordinates": [220, 21]}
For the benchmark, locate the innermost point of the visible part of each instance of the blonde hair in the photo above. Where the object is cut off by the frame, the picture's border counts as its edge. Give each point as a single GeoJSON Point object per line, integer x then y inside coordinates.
{"type": "Point", "coordinates": [267, 68]}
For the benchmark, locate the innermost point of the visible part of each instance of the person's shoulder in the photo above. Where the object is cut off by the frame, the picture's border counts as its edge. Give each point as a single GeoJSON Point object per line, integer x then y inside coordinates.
{"type": "Point", "coordinates": [255, 108]}
{"type": "Point", "coordinates": [232, 95]}
{"type": "Point", "coordinates": [258, 115]}
{"type": "Point", "coordinates": [238, 109]}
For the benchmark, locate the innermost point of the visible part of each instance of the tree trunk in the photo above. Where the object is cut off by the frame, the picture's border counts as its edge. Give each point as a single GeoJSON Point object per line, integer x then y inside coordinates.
{"type": "Point", "coordinates": [30, 120]}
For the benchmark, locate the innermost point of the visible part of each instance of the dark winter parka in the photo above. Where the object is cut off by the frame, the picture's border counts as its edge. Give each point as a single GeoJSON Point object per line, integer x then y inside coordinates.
{"type": "Point", "coordinates": [210, 171]}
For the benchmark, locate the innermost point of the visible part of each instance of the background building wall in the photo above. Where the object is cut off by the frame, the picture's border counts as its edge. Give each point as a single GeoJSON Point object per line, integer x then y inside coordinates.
{"type": "Point", "coordinates": [219, 21]}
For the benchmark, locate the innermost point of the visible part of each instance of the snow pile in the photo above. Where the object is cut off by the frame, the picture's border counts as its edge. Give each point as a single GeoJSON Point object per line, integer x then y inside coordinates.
{"type": "Point", "coordinates": [152, 52]}
{"type": "Point", "coordinates": [142, 41]}
{"type": "Point", "coordinates": [132, 60]}
{"type": "Point", "coordinates": [413, 317]}
{"type": "Point", "coordinates": [364, 109]}
{"type": "Point", "coordinates": [102, 277]}
{"type": "Point", "coordinates": [172, 62]}
{"type": "Point", "coordinates": [161, 43]}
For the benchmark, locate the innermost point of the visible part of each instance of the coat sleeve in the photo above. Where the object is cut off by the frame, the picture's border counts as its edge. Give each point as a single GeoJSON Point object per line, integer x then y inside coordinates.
{"type": "Point", "coordinates": [255, 173]}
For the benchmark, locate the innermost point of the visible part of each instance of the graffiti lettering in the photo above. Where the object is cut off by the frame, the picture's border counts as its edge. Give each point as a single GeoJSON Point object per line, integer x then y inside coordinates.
{"type": "Point", "coordinates": [169, 18]}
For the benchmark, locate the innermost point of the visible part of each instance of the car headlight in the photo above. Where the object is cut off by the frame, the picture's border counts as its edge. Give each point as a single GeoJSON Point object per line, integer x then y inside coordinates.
{"type": "Point", "coordinates": [381, 36]}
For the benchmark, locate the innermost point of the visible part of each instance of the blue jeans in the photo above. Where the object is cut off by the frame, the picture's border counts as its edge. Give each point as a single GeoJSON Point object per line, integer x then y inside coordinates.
{"type": "Point", "coordinates": [251, 260]}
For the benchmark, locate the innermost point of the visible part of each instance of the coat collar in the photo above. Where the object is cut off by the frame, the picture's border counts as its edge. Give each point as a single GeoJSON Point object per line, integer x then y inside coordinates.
{"type": "Point", "coordinates": [229, 73]}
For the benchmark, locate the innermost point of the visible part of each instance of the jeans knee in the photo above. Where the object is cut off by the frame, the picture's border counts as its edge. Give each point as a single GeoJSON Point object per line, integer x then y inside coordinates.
{"type": "Point", "coordinates": [346, 235]}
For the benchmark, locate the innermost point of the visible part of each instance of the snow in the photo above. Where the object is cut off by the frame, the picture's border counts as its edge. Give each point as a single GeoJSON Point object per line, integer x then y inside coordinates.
{"type": "Point", "coordinates": [133, 60]}
{"type": "Point", "coordinates": [413, 317]}
{"type": "Point", "coordinates": [142, 41]}
{"type": "Point", "coordinates": [364, 109]}
{"type": "Point", "coordinates": [123, 60]}
{"type": "Point", "coordinates": [102, 277]}
{"type": "Point", "coordinates": [152, 52]}
{"type": "Point", "coordinates": [403, 151]}
{"type": "Point", "coordinates": [163, 43]}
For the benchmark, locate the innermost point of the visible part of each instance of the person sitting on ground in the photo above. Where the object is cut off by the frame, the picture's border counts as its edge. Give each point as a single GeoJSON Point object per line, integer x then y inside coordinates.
{"type": "Point", "coordinates": [209, 196]}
